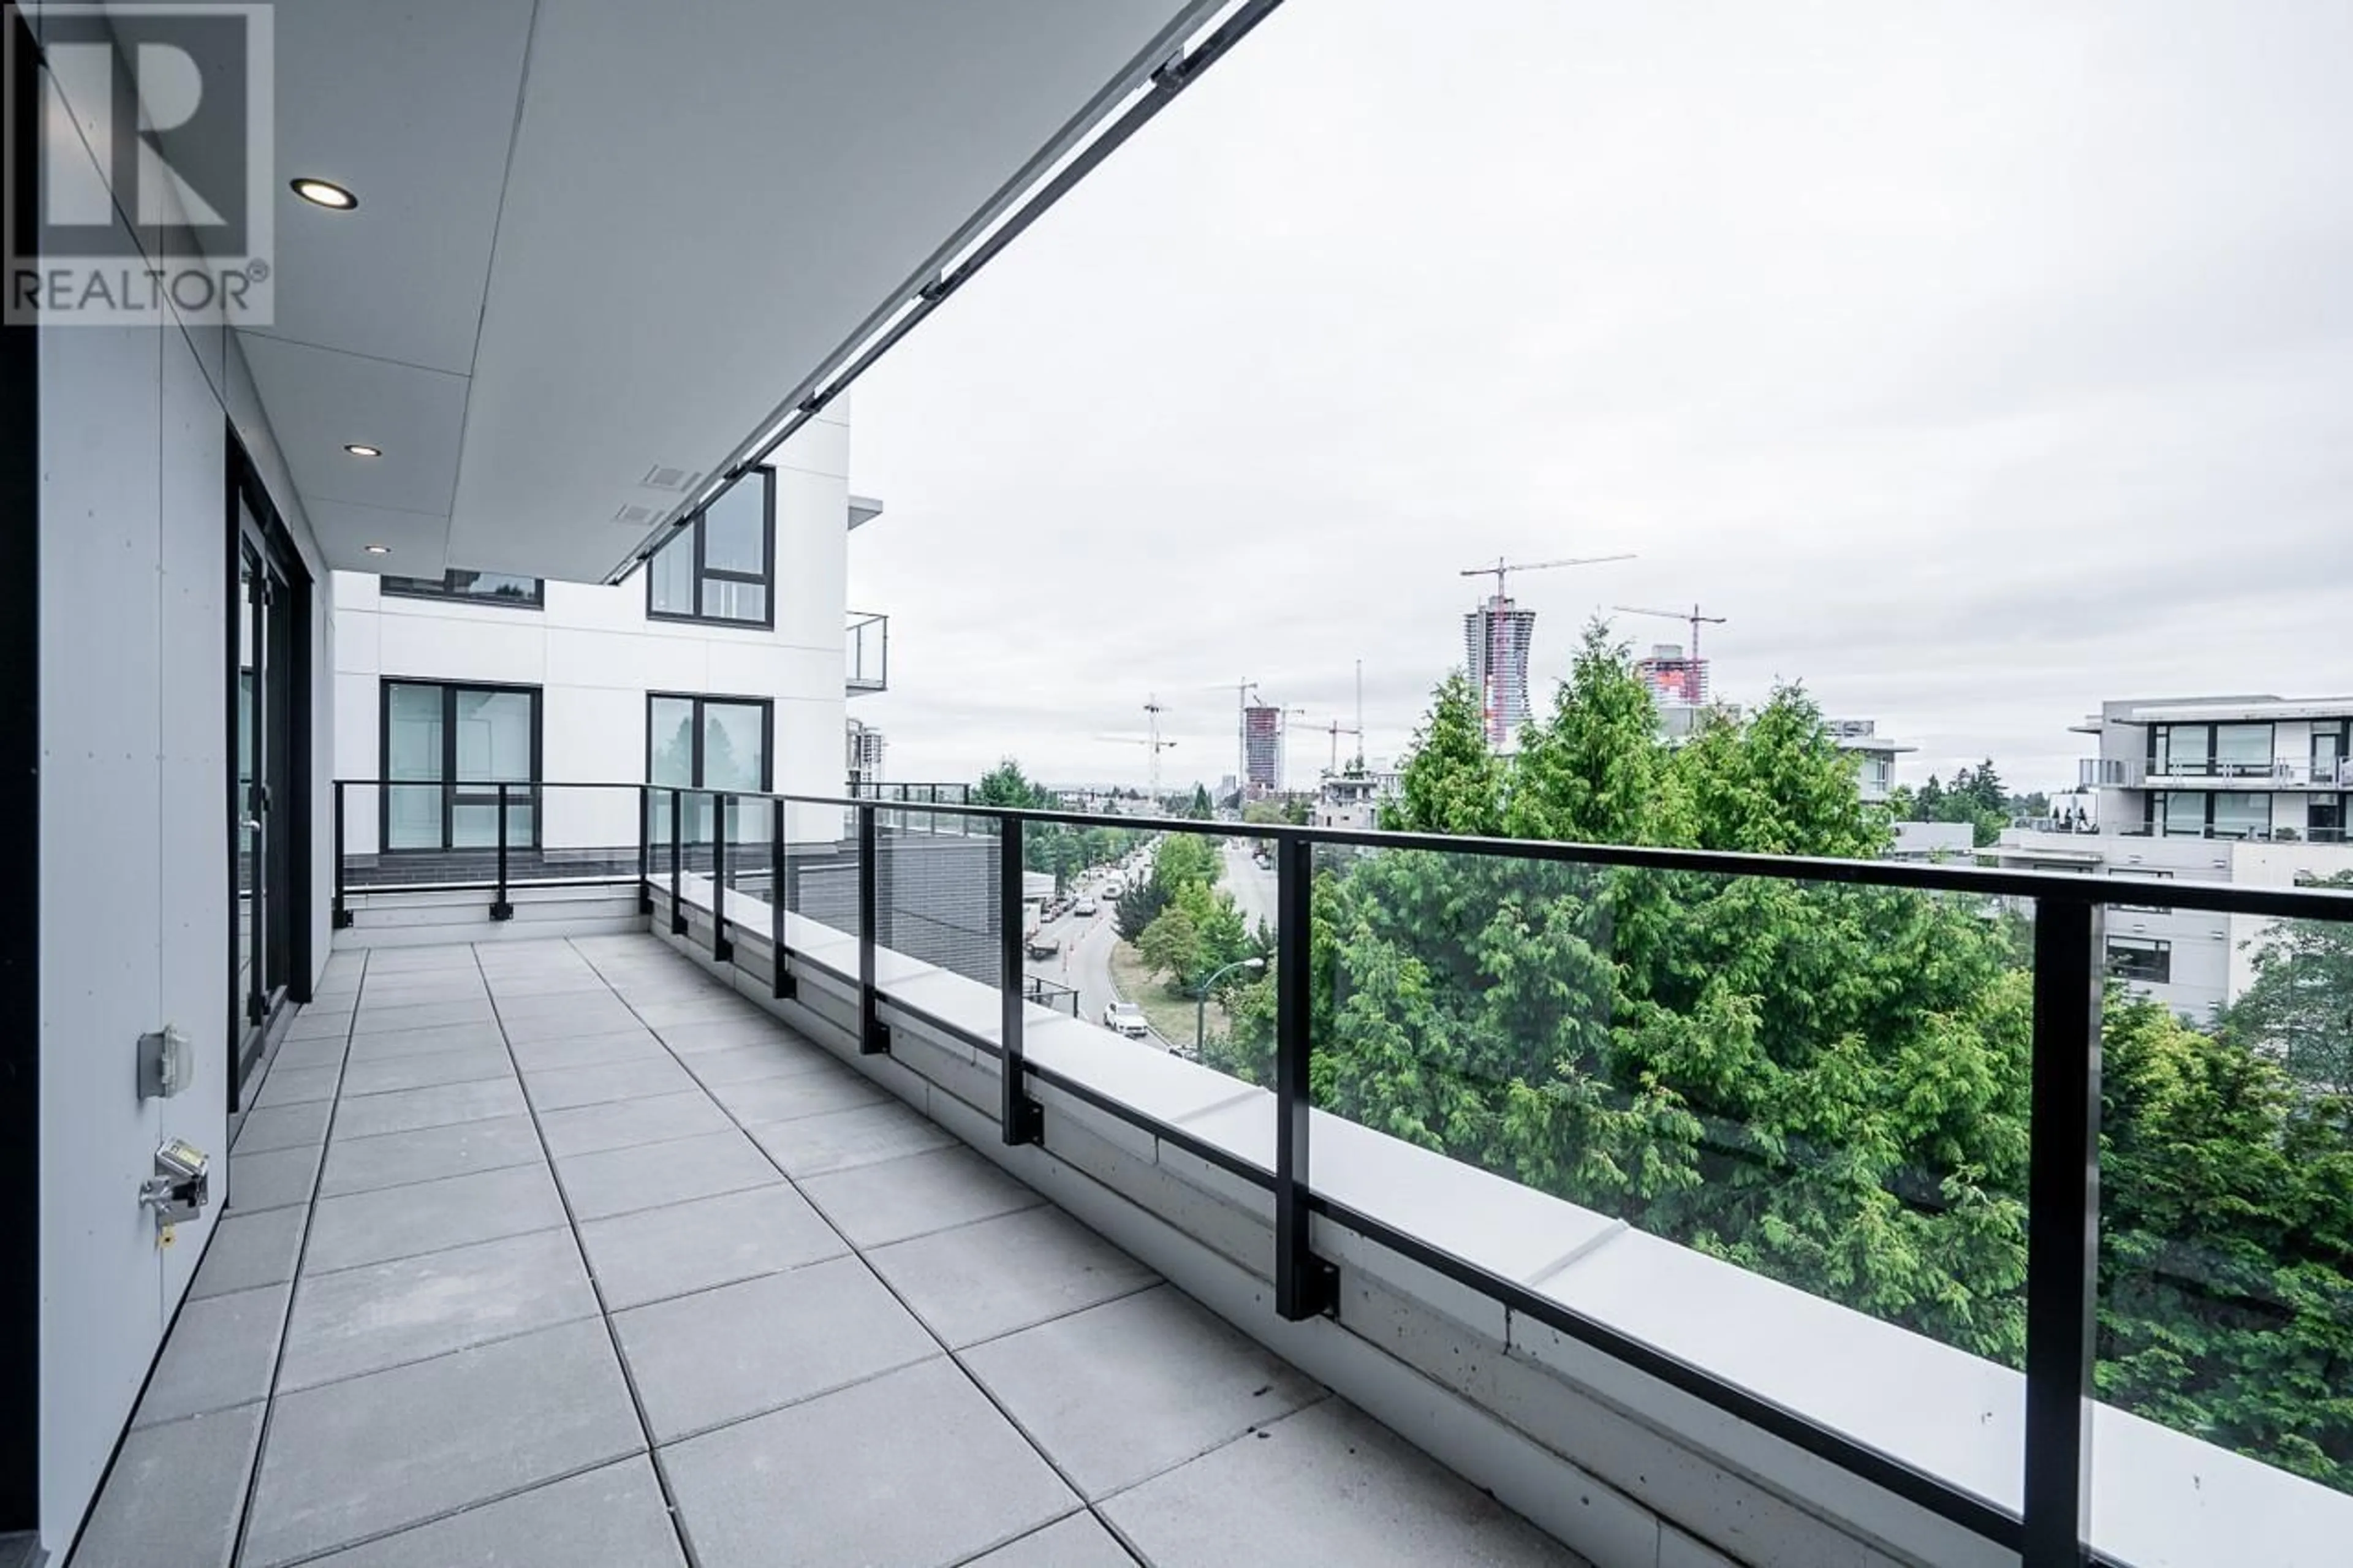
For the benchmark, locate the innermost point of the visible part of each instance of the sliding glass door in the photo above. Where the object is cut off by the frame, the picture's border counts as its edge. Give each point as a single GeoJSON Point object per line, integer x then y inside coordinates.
{"type": "Point", "coordinates": [708, 743]}
{"type": "Point", "coordinates": [265, 807]}
{"type": "Point", "coordinates": [446, 748]}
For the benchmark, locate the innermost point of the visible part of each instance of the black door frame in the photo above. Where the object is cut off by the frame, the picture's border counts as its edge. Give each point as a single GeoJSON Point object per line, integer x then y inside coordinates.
{"type": "Point", "coordinates": [285, 951]}
{"type": "Point", "coordinates": [20, 811]}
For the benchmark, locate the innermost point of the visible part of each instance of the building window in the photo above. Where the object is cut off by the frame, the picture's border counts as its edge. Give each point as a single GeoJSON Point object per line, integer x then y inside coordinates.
{"type": "Point", "coordinates": [2137, 875]}
{"type": "Point", "coordinates": [446, 751]}
{"type": "Point", "coordinates": [2328, 753]}
{"type": "Point", "coordinates": [2239, 814]}
{"type": "Point", "coordinates": [709, 742]}
{"type": "Point", "coordinates": [2140, 958]}
{"type": "Point", "coordinates": [2177, 814]}
{"type": "Point", "coordinates": [721, 566]}
{"type": "Point", "coordinates": [2325, 818]}
{"type": "Point", "coordinates": [473, 587]}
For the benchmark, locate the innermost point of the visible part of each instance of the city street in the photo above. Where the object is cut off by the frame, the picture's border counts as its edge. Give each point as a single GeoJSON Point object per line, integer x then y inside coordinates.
{"type": "Point", "coordinates": [1253, 889]}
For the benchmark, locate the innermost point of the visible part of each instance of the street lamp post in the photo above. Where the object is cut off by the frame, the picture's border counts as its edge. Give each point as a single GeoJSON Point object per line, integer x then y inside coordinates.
{"type": "Point", "coordinates": [1201, 1002]}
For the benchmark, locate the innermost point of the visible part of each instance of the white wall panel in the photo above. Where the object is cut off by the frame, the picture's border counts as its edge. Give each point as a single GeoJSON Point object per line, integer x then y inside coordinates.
{"type": "Point", "coordinates": [628, 661]}
{"type": "Point", "coordinates": [359, 646]}
{"type": "Point", "coordinates": [434, 649]}
{"type": "Point", "coordinates": [101, 654]}
{"type": "Point", "coordinates": [191, 782]}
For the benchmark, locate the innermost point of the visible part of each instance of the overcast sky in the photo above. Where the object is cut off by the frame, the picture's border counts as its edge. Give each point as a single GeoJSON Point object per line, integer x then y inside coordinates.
{"type": "Point", "coordinates": [1979, 362]}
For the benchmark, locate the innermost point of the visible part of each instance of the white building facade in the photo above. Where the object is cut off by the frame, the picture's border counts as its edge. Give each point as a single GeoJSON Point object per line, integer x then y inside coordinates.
{"type": "Point", "coordinates": [2243, 789]}
{"type": "Point", "coordinates": [711, 667]}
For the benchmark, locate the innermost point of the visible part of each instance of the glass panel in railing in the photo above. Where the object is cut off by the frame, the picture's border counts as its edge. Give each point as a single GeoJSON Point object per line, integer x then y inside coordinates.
{"type": "Point", "coordinates": [1171, 941]}
{"type": "Point", "coordinates": [821, 867]}
{"type": "Point", "coordinates": [1783, 1123]}
{"type": "Point", "coordinates": [2225, 1352]}
{"type": "Point", "coordinates": [936, 894]}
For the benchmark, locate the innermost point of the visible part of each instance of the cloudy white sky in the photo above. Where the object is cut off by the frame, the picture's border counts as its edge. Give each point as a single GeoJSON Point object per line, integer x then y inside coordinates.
{"type": "Point", "coordinates": [1979, 361]}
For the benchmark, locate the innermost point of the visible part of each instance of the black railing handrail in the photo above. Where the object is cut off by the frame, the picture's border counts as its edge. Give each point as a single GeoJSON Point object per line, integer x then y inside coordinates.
{"type": "Point", "coordinates": [2210, 898]}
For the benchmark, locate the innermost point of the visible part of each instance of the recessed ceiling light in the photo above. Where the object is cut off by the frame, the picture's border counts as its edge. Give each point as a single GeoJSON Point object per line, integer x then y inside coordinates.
{"type": "Point", "coordinates": [377, 549]}
{"type": "Point", "coordinates": [362, 450]}
{"type": "Point", "coordinates": [325, 194]}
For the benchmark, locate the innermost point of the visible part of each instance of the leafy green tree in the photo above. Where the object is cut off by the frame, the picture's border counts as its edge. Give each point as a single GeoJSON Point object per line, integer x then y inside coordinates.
{"type": "Point", "coordinates": [1172, 945]}
{"type": "Point", "coordinates": [1593, 770]}
{"type": "Point", "coordinates": [1138, 905]}
{"type": "Point", "coordinates": [1776, 783]}
{"type": "Point", "coordinates": [2226, 1261]}
{"type": "Point", "coordinates": [1182, 858]}
{"type": "Point", "coordinates": [1452, 783]}
{"type": "Point", "coordinates": [2300, 1008]}
{"type": "Point", "coordinates": [1200, 809]}
{"type": "Point", "coordinates": [1006, 784]}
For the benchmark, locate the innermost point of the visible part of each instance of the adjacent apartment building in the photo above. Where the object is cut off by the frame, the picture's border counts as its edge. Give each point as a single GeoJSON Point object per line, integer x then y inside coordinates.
{"type": "Point", "coordinates": [2250, 789]}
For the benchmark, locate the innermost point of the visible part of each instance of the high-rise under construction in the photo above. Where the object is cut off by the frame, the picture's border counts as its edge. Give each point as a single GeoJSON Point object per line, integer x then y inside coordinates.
{"type": "Point", "coordinates": [1495, 638]}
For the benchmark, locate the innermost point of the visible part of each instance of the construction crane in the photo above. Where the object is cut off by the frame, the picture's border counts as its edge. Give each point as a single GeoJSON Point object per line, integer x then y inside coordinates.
{"type": "Point", "coordinates": [1693, 618]}
{"type": "Point", "coordinates": [1338, 730]}
{"type": "Point", "coordinates": [1502, 566]}
{"type": "Point", "coordinates": [1152, 709]}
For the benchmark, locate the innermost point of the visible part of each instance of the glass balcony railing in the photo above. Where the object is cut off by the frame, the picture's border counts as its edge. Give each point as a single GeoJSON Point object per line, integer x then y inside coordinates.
{"type": "Point", "coordinates": [1875, 1157]}
{"type": "Point", "coordinates": [868, 652]}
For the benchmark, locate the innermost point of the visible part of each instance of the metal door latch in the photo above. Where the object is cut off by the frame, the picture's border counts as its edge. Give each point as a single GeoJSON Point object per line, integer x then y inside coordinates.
{"type": "Point", "coordinates": [182, 1185]}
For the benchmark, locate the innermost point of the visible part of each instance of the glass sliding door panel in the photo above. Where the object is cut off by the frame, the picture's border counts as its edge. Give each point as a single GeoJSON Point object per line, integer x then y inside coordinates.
{"type": "Point", "coordinates": [2182, 814]}
{"type": "Point", "coordinates": [493, 736]}
{"type": "Point", "coordinates": [413, 752]}
{"type": "Point", "coordinates": [2242, 751]}
{"type": "Point", "coordinates": [734, 755]}
{"type": "Point", "coordinates": [2238, 815]}
{"type": "Point", "coordinates": [671, 759]}
{"type": "Point", "coordinates": [249, 743]}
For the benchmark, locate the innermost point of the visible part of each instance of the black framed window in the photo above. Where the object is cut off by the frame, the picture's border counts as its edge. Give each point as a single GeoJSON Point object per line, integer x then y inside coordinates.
{"type": "Point", "coordinates": [2331, 744]}
{"type": "Point", "coordinates": [472, 587]}
{"type": "Point", "coordinates": [445, 749]}
{"type": "Point", "coordinates": [2143, 958]}
{"type": "Point", "coordinates": [721, 566]}
{"type": "Point", "coordinates": [701, 741]}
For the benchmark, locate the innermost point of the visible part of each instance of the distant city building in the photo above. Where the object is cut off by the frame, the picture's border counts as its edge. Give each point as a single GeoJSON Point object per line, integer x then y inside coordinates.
{"type": "Point", "coordinates": [1263, 748]}
{"type": "Point", "coordinates": [2212, 789]}
{"type": "Point", "coordinates": [864, 749]}
{"type": "Point", "coordinates": [1673, 678]}
{"type": "Point", "coordinates": [1875, 772]}
{"type": "Point", "coordinates": [1352, 799]}
{"type": "Point", "coordinates": [1495, 638]}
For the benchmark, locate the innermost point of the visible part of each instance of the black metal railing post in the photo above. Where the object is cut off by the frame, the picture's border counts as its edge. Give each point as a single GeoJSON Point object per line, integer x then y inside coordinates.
{"type": "Point", "coordinates": [1019, 1120]}
{"type": "Point", "coordinates": [342, 917]}
{"type": "Point", "coordinates": [780, 979]}
{"type": "Point", "coordinates": [721, 950]}
{"type": "Point", "coordinates": [645, 850]}
{"type": "Point", "coordinates": [500, 908]}
{"type": "Point", "coordinates": [1304, 1285]}
{"type": "Point", "coordinates": [2062, 1231]}
{"type": "Point", "coordinates": [872, 1039]}
{"type": "Point", "coordinates": [677, 863]}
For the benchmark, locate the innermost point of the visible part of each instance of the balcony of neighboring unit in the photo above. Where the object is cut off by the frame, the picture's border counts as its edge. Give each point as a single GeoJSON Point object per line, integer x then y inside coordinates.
{"type": "Point", "coordinates": [2109, 772]}
{"type": "Point", "coordinates": [1636, 1321]}
{"type": "Point", "coordinates": [2222, 772]}
{"type": "Point", "coordinates": [868, 651]}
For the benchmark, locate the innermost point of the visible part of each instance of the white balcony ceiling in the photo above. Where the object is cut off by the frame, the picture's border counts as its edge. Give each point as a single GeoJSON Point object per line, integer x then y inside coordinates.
{"type": "Point", "coordinates": [595, 239]}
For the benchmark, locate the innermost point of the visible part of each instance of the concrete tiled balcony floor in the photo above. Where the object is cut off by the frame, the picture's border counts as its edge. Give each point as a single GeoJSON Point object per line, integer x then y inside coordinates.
{"type": "Point", "coordinates": [557, 1253]}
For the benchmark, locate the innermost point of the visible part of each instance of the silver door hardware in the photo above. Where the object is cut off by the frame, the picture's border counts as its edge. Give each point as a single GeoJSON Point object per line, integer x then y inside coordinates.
{"type": "Point", "coordinates": [182, 1185]}
{"type": "Point", "coordinates": [167, 1063]}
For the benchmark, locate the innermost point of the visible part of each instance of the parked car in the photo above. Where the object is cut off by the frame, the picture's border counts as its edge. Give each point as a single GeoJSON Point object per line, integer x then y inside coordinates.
{"type": "Point", "coordinates": [1128, 1018]}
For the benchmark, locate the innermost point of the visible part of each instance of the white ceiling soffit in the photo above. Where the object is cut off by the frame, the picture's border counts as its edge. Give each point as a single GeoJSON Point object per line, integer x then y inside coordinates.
{"type": "Point", "coordinates": [597, 239]}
